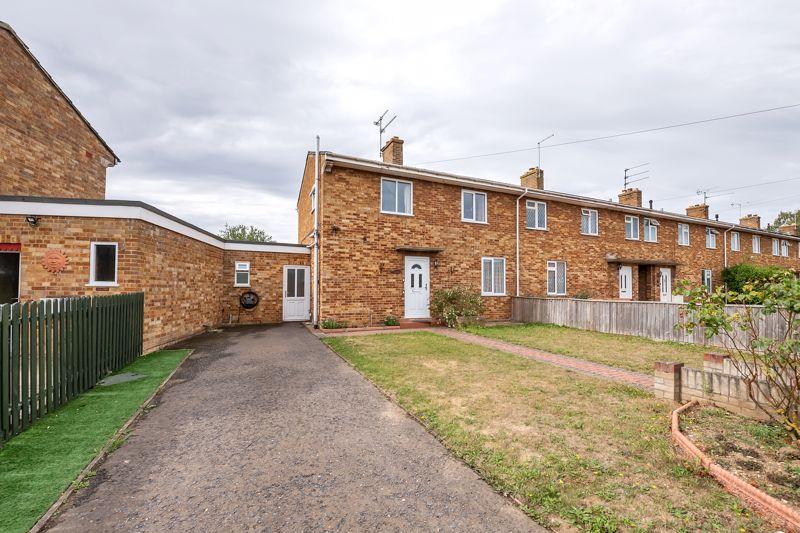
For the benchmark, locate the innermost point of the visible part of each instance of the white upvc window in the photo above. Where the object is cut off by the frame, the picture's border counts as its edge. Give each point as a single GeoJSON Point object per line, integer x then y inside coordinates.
{"type": "Point", "coordinates": [631, 227]}
{"type": "Point", "coordinates": [103, 264]}
{"type": "Point", "coordinates": [651, 230]}
{"type": "Point", "coordinates": [784, 248]}
{"type": "Point", "coordinates": [397, 197]}
{"type": "Point", "coordinates": [493, 276]}
{"type": "Point", "coordinates": [756, 244]}
{"type": "Point", "coordinates": [707, 279]}
{"type": "Point", "coordinates": [711, 238]}
{"type": "Point", "coordinates": [683, 234]}
{"type": "Point", "coordinates": [556, 278]}
{"type": "Point", "coordinates": [535, 215]}
{"type": "Point", "coordinates": [776, 247]}
{"type": "Point", "coordinates": [735, 241]}
{"type": "Point", "coordinates": [313, 196]}
{"type": "Point", "coordinates": [241, 274]}
{"type": "Point", "coordinates": [473, 206]}
{"type": "Point", "coordinates": [589, 224]}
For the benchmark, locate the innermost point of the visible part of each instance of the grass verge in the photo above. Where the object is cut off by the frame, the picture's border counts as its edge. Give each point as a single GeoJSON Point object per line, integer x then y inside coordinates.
{"type": "Point", "coordinates": [624, 351]}
{"type": "Point", "coordinates": [580, 453]}
{"type": "Point", "coordinates": [40, 463]}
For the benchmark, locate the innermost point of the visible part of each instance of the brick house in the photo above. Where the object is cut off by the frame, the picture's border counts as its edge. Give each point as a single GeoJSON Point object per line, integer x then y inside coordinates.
{"type": "Point", "coordinates": [389, 235]}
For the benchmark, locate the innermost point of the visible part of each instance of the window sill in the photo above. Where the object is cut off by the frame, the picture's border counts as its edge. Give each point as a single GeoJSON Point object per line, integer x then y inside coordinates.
{"type": "Point", "coordinates": [684, 245]}
{"type": "Point", "coordinates": [651, 242]}
{"type": "Point", "coordinates": [553, 294]}
{"type": "Point", "coordinates": [492, 294]}
{"type": "Point", "coordinates": [397, 214]}
{"type": "Point", "coordinates": [536, 229]}
{"type": "Point", "coordinates": [242, 286]}
{"type": "Point", "coordinates": [474, 222]}
{"type": "Point", "coordinates": [631, 239]}
{"type": "Point", "coordinates": [590, 234]}
{"type": "Point", "coordinates": [102, 284]}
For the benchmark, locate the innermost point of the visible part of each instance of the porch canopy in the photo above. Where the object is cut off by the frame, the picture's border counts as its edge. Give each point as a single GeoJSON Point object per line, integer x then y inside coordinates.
{"type": "Point", "coordinates": [419, 249]}
{"type": "Point", "coordinates": [641, 262]}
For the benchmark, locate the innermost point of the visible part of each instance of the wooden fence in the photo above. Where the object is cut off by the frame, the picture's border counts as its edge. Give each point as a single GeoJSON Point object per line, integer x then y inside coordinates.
{"type": "Point", "coordinates": [655, 320]}
{"type": "Point", "coordinates": [52, 350]}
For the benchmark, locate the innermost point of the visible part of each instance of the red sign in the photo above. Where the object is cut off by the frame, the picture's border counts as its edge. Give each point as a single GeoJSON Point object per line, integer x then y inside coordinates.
{"type": "Point", "coordinates": [10, 247]}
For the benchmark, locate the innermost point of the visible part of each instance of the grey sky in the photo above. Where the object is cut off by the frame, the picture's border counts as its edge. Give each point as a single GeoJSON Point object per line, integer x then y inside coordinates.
{"type": "Point", "coordinates": [212, 105]}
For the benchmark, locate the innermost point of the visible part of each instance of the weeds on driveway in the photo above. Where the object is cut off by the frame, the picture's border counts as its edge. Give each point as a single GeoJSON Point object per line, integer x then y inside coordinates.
{"type": "Point", "coordinates": [39, 464]}
{"type": "Point", "coordinates": [624, 351]}
{"type": "Point", "coordinates": [578, 452]}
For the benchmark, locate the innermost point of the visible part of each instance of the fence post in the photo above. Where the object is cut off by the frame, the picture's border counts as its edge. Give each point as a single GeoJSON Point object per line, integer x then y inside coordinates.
{"type": "Point", "coordinates": [5, 370]}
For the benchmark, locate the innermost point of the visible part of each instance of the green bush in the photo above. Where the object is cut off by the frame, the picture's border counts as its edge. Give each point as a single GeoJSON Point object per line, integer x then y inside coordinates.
{"type": "Point", "coordinates": [452, 306]}
{"type": "Point", "coordinates": [736, 277]}
{"type": "Point", "coordinates": [391, 321]}
{"type": "Point", "coordinates": [332, 323]}
{"type": "Point", "coordinates": [583, 295]}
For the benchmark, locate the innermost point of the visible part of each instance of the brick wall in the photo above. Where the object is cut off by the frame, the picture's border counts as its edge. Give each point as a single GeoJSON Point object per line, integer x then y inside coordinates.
{"type": "Point", "coordinates": [45, 147]}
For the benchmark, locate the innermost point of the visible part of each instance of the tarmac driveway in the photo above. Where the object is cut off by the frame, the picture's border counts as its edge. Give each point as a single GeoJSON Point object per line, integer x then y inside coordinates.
{"type": "Point", "coordinates": [264, 428]}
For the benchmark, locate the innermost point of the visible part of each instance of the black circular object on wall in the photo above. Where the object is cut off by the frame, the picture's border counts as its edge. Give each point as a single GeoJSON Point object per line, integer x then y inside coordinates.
{"type": "Point", "coordinates": [248, 300]}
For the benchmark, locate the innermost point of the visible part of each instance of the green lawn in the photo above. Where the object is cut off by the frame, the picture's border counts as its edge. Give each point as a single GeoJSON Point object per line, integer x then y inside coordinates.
{"type": "Point", "coordinates": [580, 453]}
{"type": "Point", "coordinates": [40, 463]}
{"type": "Point", "coordinates": [623, 351]}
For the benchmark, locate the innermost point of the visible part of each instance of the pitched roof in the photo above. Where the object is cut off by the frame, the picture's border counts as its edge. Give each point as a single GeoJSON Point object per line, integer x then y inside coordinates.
{"type": "Point", "coordinates": [47, 75]}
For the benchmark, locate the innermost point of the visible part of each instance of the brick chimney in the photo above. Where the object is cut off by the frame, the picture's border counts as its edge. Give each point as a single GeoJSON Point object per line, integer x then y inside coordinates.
{"type": "Point", "coordinates": [697, 211]}
{"type": "Point", "coordinates": [789, 229]}
{"type": "Point", "coordinates": [533, 178]}
{"type": "Point", "coordinates": [631, 197]}
{"type": "Point", "coordinates": [751, 221]}
{"type": "Point", "coordinates": [392, 151]}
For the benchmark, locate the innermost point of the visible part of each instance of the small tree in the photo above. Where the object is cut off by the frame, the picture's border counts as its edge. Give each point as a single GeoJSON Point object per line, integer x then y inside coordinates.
{"type": "Point", "coordinates": [455, 305]}
{"type": "Point", "coordinates": [771, 365]}
{"type": "Point", "coordinates": [737, 276]}
{"type": "Point", "coordinates": [241, 232]}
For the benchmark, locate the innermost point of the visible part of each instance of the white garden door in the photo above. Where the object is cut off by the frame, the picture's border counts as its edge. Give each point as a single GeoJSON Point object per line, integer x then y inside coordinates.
{"type": "Point", "coordinates": [416, 287]}
{"type": "Point", "coordinates": [625, 286]}
{"type": "Point", "coordinates": [666, 284]}
{"type": "Point", "coordinates": [295, 293]}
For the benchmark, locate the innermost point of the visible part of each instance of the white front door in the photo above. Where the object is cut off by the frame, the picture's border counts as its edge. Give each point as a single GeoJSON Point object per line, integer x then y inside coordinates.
{"type": "Point", "coordinates": [666, 284]}
{"type": "Point", "coordinates": [625, 278]}
{"type": "Point", "coordinates": [295, 293]}
{"type": "Point", "coordinates": [416, 287]}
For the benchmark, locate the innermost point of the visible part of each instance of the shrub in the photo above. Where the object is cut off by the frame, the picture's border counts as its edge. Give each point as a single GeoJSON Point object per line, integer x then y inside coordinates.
{"type": "Point", "coordinates": [583, 295]}
{"type": "Point", "coordinates": [455, 305]}
{"type": "Point", "coordinates": [332, 323]}
{"type": "Point", "coordinates": [391, 321]}
{"type": "Point", "coordinates": [737, 276]}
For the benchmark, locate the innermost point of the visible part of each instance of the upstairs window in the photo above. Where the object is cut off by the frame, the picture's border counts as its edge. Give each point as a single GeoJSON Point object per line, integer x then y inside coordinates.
{"type": "Point", "coordinates": [473, 206]}
{"type": "Point", "coordinates": [735, 241]}
{"type": "Point", "coordinates": [784, 248]}
{"type": "Point", "coordinates": [711, 238]}
{"type": "Point", "coordinates": [556, 278]}
{"type": "Point", "coordinates": [631, 227]}
{"type": "Point", "coordinates": [535, 215]}
{"type": "Point", "coordinates": [589, 222]}
{"type": "Point", "coordinates": [396, 197]}
{"type": "Point", "coordinates": [241, 274]}
{"type": "Point", "coordinates": [103, 264]}
{"type": "Point", "coordinates": [776, 247]}
{"type": "Point", "coordinates": [651, 230]}
{"type": "Point", "coordinates": [756, 244]}
{"type": "Point", "coordinates": [707, 280]}
{"type": "Point", "coordinates": [493, 276]}
{"type": "Point", "coordinates": [683, 234]}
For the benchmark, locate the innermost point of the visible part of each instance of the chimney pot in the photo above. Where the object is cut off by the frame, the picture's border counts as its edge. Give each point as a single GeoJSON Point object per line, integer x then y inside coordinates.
{"type": "Point", "coordinates": [533, 178]}
{"type": "Point", "coordinates": [392, 151]}
{"type": "Point", "coordinates": [631, 197]}
{"type": "Point", "coordinates": [697, 211]}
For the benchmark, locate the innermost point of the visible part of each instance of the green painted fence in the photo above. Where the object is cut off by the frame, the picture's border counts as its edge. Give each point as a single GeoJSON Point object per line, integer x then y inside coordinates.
{"type": "Point", "coordinates": [52, 350]}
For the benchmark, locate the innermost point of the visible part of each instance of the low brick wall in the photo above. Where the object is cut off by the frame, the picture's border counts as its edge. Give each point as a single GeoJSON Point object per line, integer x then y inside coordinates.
{"type": "Point", "coordinates": [717, 382]}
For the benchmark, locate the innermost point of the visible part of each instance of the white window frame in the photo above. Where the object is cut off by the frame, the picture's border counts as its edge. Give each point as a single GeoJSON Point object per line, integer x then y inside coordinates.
{"type": "Point", "coordinates": [396, 198]}
{"type": "Point", "coordinates": [552, 266]}
{"type": "Point", "coordinates": [650, 224]}
{"type": "Point", "coordinates": [756, 244]}
{"type": "Point", "coordinates": [590, 213]}
{"type": "Point", "coordinates": [493, 291]}
{"type": "Point", "coordinates": [708, 279]}
{"type": "Point", "coordinates": [684, 229]}
{"type": "Point", "coordinates": [711, 239]}
{"type": "Point", "coordinates": [238, 268]}
{"type": "Point", "coordinates": [536, 205]}
{"type": "Point", "coordinates": [313, 196]}
{"type": "Point", "coordinates": [776, 248]}
{"type": "Point", "coordinates": [634, 224]}
{"type": "Point", "coordinates": [784, 248]}
{"type": "Point", "coordinates": [93, 259]}
{"type": "Point", "coordinates": [474, 219]}
{"type": "Point", "coordinates": [737, 239]}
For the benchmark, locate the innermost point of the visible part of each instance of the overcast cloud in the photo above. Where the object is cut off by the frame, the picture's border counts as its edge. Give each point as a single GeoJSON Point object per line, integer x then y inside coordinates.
{"type": "Point", "coordinates": [212, 105]}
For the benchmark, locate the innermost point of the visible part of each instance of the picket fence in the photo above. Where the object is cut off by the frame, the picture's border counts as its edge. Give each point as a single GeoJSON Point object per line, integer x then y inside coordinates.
{"type": "Point", "coordinates": [53, 350]}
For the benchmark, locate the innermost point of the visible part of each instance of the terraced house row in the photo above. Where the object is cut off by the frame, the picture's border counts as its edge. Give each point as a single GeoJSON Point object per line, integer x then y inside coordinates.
{"type": "Point", "coordinates": [375, 238]}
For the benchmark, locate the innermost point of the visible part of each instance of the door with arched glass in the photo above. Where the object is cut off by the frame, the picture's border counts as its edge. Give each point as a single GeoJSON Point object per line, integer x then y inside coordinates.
{"type": "Point", "coordinates": [416, 289]}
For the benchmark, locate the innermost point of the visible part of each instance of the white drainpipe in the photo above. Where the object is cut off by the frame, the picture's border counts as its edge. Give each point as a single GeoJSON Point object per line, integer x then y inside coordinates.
{"type": "Point", "coordinates": [725, 243]}
{"type": "Point", "coordinates": [517, 265]}
{"type": "Point", "coordinates": [314, 281]}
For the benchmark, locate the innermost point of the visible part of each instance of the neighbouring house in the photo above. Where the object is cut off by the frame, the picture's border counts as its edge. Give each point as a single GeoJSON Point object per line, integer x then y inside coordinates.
{"type": "Point", "coordinates": [375, 238]}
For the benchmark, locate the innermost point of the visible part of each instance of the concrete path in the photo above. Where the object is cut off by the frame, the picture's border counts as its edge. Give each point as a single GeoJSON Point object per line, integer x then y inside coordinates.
{"type": "Point", "coordinates": [572, 363]}
{"type": "Point", "coordinates": [266, 429]}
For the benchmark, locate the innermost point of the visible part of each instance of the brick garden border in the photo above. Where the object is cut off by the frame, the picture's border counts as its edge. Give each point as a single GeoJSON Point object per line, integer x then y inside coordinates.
{"type": "Point", "coordinates": [104, 451]}
{"type": "Point", "coordinates": [768, 507]}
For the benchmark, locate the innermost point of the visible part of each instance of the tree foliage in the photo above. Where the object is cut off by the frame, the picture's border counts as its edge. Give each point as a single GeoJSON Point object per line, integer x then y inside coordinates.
{"type": "Point", "coordinates": [242, 232]}
{"type": "Point", "coordinates": [786, 217]}
{"type": "Point", "coordinates": [456, 305]}
{"type": "Point", "coordinates": [769, 365]}
{"type": "Point", "coordinates": [737, 276]}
